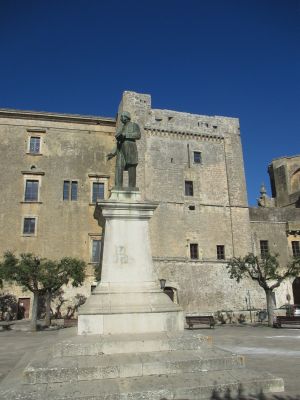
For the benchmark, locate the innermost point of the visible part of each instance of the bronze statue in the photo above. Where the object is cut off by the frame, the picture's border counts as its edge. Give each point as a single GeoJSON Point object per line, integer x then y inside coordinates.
{"type": "Point", "coordinates": [126, 150]}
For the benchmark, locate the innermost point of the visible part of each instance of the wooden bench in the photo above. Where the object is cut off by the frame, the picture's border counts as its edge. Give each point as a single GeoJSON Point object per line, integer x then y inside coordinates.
{"type": "Point", "coordinates": [192, 320]}
{"type": "Point", "coordinates": [292, 320]}
{"type": "Point", "coordinates": [6, 325]}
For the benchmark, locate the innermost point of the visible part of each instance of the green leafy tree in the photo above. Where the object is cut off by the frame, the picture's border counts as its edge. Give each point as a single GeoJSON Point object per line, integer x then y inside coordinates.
{"type": "Point", "coordinates": [42, 277]}
{"type": "Point", "coordinates": [266, 271]}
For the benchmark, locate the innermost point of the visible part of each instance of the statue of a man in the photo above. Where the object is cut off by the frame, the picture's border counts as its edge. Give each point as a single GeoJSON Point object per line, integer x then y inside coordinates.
{"type": "Point", "coordinates": [126, 150]}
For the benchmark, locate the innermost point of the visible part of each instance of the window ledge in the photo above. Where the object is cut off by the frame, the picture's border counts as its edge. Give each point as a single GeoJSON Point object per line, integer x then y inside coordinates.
{"type": "Point", "coordinates": [33, 172]}
{"type": "Point", "coordinates": [33, 154]}
{"type": "Point", "coordinates": [31, 202]}
{"type": "Point", "coordinates": [28, 235]}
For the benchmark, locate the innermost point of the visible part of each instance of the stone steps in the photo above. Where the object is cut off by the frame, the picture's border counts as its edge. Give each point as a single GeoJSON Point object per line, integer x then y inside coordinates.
{"type": "Point", "coordinates": [81, 368]}
{"type": "Point", "coordinates": [130, 343]}
{"type": "Point", "coordinates": [182, 365]}
{"type": "Point", "coordinates": [190, 386]}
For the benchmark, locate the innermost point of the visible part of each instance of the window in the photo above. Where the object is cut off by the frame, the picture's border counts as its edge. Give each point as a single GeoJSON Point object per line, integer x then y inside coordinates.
{"type": "Point", "coordinates": [31, 190]}
{"type": "Point", "coordinates": [189, 190]}
{"type": "Point", "coordinates": [192, 208]}
{"type": "Point", "coordinates": [34, 144]}
{"type": "Point", "coordinates": [197, 157]}
{"type": "Point", "coordinates": [98, 191]}
{"type": "Point", "coordinates": [220, 252]}
{"type": "Point", "coordinates": [296, 248]}
{"type": "Point", "coordinates": [264, 248]}
{"type": "Point", "coordinates": [29, 226]}
{"type": "Point", "coordinates": [194, 251]}
{"type": "Point", "coordinates": [96, 250]}
{"type": "Point", "coordinates": [70, 190]}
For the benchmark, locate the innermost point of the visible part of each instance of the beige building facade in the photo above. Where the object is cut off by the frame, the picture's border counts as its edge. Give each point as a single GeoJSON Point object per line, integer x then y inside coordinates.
{"type": "Point", "coordinates": [55, 168]}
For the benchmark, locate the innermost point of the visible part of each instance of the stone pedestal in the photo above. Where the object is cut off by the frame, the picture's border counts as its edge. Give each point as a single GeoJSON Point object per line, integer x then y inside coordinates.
{"type": "Point", "coordinates": [128, 299]}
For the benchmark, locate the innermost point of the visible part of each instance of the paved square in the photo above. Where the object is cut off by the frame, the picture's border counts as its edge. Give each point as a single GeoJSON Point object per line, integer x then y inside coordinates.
{"type": "Point", "coordinates": [266, 349]}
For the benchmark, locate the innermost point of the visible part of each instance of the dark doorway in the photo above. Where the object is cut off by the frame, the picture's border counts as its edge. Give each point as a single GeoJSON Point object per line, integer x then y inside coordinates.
{"type": "Point", "coordinates": [296, 291]}
{"type": "Point", "coordinates": [23, 307]}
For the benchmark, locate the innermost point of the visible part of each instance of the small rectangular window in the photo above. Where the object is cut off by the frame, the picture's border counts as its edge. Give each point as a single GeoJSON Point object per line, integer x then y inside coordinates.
{"type": "Point", "coordinates": [197, 157]}
{"type": "Point", "coordinates": [220, 252]}
{"type": "Point", "coordinates": [70, 190]}
{"type": "Point", "coordinates": [96, 250]}
{"type": "Point", "coordinates": [98, 191]}
{"type": "Point", "coordinates": [264, 248]}
{"type": "Point", "coordinates": [189, 190]}
{"type": "Point", "coordinates": [296, 248]}
{"type": "Point", "coordinates": [35, 144]}
{"type": "Point", "coordinates": [74, 189]}
{"type": "Point", "coordinates": [29, 226]}
{"type": "Point", "coordinates": [66, 190]}
{"type": "Point", "coordinates": [194, 251]}
{"type": "Point", "coordinates": [31, 190]}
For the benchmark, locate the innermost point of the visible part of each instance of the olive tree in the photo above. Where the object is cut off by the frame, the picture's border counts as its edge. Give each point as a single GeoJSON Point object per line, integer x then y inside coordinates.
{"type": "Point", "coordinates": [40, 276]}
{"type": "Point", "coordinates": [266, 271]}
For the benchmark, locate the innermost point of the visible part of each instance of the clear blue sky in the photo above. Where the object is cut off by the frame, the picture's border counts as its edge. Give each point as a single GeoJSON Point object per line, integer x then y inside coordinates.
{"type": "Point", "coordinates": [236, 58]}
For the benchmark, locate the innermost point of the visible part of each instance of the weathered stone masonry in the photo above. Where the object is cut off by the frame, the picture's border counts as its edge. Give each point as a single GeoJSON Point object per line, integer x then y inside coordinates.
{"type": "Point", "coordinates": [74, 148]}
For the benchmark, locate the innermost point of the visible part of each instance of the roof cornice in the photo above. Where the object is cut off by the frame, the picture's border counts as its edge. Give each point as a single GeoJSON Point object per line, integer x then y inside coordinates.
{"type": "Point", "coordinates": [49, 116]}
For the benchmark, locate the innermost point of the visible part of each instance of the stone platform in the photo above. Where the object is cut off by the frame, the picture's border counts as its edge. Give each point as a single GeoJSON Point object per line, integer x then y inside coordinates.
{"type": "Point", "coordinates": [166, 365]}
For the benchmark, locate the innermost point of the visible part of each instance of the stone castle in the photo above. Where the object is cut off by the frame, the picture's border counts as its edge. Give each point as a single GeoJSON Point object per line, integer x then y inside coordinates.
{"type": "Point", "coordinates": [55, 169]}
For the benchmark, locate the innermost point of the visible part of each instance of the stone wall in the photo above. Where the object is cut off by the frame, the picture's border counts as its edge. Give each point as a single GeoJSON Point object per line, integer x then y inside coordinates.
{"type": "Point", "coordinates": [285, 181]}
{"type": "Point", "coordinates": [71, 148]}
{"type": "Point", "coordinates": [75, 148]}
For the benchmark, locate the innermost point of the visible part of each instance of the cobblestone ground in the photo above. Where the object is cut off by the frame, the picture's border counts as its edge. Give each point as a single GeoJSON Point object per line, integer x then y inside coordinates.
{"type": "Point", "coordinates": [266, 349]}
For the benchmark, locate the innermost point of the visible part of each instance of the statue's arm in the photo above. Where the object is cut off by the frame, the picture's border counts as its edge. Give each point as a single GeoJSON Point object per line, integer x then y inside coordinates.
{"type": "Point", "coordinates": [112, 154]}
{"type": "Point", "coordinates": [119, 134]}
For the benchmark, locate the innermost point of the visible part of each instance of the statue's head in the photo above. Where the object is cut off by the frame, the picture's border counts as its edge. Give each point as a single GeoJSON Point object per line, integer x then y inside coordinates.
{"type": "Point", "coordinates": [125, 117]}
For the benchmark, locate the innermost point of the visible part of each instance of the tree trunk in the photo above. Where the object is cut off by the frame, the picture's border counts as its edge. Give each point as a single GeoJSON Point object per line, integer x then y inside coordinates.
{"type": "Point", "coordinates": [270, 306]}
{"type": "Point", "coordinates": [48, 309]}
{"type": "Point", "coordinates": [33, 325]}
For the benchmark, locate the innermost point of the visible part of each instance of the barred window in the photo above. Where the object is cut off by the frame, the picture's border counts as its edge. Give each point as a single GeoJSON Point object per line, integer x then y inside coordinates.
{"type": "Point", "coordinates": [194, 254]}
{"type": "Point", "coordinates": [296, 248]}
{"type": "Point", "coordinates": [220, 252]}
{"type": "Point", "coordinates": [264, 248]}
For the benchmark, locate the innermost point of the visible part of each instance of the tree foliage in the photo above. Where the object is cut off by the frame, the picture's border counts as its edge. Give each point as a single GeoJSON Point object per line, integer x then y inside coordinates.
{"type": "Point", "coordinates": [266, 271]}
{"type": "Point", "coordinates": [39, 275]}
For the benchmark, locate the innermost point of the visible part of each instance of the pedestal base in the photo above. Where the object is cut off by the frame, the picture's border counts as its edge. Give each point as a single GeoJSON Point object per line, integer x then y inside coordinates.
{"type": "Point", "coordinates": [128, 299]}
{"type": "Point", "coordinates": [103, 324]}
